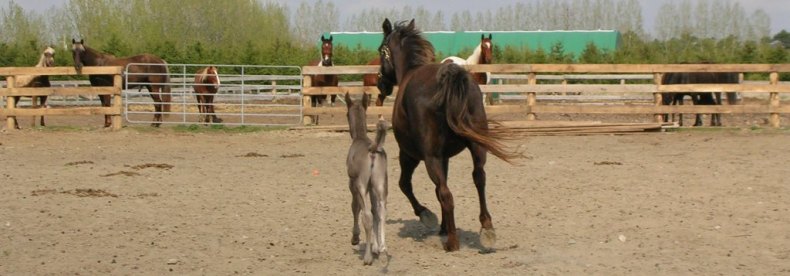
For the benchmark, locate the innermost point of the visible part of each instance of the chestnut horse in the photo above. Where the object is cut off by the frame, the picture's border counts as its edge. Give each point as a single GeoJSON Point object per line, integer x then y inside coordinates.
{"type": "Point", "coordinates": [438, 112]}
{"type": "Point", "coordinates": [385, 89]}
{"type": "Point", "coordinates": [206, 85]}
{"type": "Point", "coordinates": [153, 72]}
{"type": "Point", "coordinates": [47, 59]}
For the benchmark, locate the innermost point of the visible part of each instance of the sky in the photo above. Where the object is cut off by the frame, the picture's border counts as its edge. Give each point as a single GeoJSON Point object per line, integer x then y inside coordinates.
{"type": "Point", "coordinates": [778, 10]}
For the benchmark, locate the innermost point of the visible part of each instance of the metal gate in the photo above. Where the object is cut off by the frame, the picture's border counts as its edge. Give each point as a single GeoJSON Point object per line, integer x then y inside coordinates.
{"type": "Point", "coordinates": [247, 95]}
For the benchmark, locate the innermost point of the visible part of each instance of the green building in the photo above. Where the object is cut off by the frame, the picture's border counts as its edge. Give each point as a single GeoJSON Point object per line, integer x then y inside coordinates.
{"type": "Point", "coordinates": [451, 43]}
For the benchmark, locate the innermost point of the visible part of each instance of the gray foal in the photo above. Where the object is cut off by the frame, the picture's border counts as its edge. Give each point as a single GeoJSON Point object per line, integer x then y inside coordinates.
{"type": "Point", "coordinates": [367, 173]}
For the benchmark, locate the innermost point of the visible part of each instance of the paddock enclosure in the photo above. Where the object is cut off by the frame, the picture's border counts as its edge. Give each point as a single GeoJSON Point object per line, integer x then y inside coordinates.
{"type": "Point", "coordinates": [278, 95]}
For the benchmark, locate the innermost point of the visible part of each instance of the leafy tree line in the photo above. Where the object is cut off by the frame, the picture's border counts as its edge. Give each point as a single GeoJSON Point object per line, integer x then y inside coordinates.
{"type": "Point", "coordinates": [255, 32]}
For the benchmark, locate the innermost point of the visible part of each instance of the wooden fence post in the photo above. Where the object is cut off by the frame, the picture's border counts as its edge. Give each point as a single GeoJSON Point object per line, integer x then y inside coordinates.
{"type": "Point", "coordinates": [117, 102]}
{"type": "Point", "coordinates": [774, 101]}
{"type": "Point", "coordinates": [657, 97]}
{"type": "Point", "coordinates": [532, 79]}
{"type": "Point", "coordinates": [10, 102]}
{"type": "Point", "coordinates": [306, 83]}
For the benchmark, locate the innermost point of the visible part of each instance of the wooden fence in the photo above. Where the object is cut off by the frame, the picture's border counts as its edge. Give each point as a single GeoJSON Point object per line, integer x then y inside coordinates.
{"type": "Point", "coordinates": [530, 106]}
{"type": "Point", "coordinates": [115, 109]}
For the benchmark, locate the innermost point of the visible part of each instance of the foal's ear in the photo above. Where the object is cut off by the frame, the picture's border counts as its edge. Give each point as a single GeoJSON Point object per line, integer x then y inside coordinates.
{"type": "Point", "coordinates": [386, 27]}
{"type": "Point", "coordinates": [365, 100]}
{"type": "Point", "coordinates": [348, 101]}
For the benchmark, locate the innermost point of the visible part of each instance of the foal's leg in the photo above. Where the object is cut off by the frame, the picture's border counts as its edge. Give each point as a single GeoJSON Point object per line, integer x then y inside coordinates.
{"type": "Point", "coordinates": [407, 166]}
{"type": "Point", "coordinates": [487, 234]}
{"type": "Point", "coordinates": [355, 207]}
{"type": "Point", "coordinates": [361, 184]}
{"type": "Point", "coordinates": [437, 170]}
{"type": "Point", "coordinates": [378, 191]}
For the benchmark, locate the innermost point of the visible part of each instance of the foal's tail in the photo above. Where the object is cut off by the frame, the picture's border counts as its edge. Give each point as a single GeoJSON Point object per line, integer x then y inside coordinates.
{"type": "Point", "coordinates": [453, 95]}
{"type": "Point", "coordinates": [381, 133]}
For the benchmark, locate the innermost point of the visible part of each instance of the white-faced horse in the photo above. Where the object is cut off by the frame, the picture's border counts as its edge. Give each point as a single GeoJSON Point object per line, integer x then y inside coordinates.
{"type": "Point", "coordinates": [47, 59]}
{"type": "Point", "coordinates": [367, 173]}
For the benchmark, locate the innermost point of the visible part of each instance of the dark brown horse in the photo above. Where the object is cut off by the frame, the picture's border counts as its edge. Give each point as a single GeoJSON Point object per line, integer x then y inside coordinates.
{"type": "Point", "coordinates": [152, 71]}
{"type": "Point", "coordinates": [438, 112]}
{"type": "Point", "coordinates": [698, 98]}
{"type": "Point", "coordinates": [324, 80]}
{"type": "Point", "coordinates": [206, 85]}
{"type": "Point", "coordinates": [47, 59]}
{"type": "Point", "coordinates": [385, 89]}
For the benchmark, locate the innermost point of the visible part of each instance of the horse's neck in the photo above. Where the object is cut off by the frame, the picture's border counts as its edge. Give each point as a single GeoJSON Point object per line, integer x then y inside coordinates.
{"type": "Point", "coordinates": [42, 61]}
{"type": "Point", "coordinates": [475, 57]}
{"type": "Point", "coordinates": [96, 58]}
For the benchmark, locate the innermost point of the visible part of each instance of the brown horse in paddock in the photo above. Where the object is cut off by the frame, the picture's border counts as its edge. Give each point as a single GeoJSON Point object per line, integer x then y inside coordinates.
{"type": "Point", "coordinates": [206, 86]}
{"type": "Point", "coordinates": [385, 89]}
{"type": "Point", "coordinates": [699, 98]}
{"type": "Point", "coordinates": [324, 80]}
{"type": "Point", "coordinates": [47, 59]}
{"type": "Point", "coordinates": [367, 173]}
{"type": "Point", "coordinates": [438, 112]}
{"type": "Point", "coordinates": [150, 72]}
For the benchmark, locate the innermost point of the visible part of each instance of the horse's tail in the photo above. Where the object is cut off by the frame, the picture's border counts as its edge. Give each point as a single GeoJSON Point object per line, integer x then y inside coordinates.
{"type": "Point", "coordinates": [453, 95]}
{"type": "Point", "coordinates": [166, 94]}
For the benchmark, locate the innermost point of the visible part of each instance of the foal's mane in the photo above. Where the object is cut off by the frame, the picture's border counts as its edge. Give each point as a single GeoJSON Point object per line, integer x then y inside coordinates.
{"type": "Point", "coordinates": [418, 50]}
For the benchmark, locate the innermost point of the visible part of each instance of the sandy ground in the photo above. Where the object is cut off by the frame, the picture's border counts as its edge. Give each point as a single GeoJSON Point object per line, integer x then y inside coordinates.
{"type": "Point", "coordinates": [144, 201]}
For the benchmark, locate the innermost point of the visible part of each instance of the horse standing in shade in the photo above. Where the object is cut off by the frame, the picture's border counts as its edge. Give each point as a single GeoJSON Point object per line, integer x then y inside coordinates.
{"type": "Point", "coordinates": [438, 112]}
{"type": "Point", "coordinates": [152, 71]}
{"type": "Point", "coordinates": [700, 98]}
{"type": "Point", "coordinates": [206, 85]}
{"type": "Point", "coordinates": [47, 59]}
{"type": "Point", "coordinates": [385, 89]}
{"type": "Point", "coordinates": [482, 54]}
{"type": "Point", "coordinates": [367, 173]}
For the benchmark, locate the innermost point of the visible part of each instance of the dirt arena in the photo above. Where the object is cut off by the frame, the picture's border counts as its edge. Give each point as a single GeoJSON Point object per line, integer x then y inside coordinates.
{"type": "Point", "coordinates": [145, 201]}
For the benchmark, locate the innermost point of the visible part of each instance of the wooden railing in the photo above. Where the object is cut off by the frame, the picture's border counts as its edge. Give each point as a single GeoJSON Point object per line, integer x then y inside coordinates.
{"type": "Point", "coordinates": [10, 111]}
{"type": "Point", "coordinates": [532, 87]}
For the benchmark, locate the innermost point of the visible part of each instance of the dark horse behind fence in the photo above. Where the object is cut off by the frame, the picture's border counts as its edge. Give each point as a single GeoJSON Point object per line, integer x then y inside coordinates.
{"type": "Point", "coordinates": [700, 98]}
{"type": "Point", "coordinates": [324, 80]}
{"type": "Point", "coordinates": [385, 89]}
{"type": "Point", "coordinates": [152, 71]}
{"type": "Point", "coordinates": [206, 85]}
{"type": "Point", "coordinates": [438, 112]}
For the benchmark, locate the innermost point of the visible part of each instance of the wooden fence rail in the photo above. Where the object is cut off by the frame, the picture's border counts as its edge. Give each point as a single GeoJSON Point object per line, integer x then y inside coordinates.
{"type": "Point", "coordinates": [532, 87]}
{"type": "Point", "coordinates": [10, 111]}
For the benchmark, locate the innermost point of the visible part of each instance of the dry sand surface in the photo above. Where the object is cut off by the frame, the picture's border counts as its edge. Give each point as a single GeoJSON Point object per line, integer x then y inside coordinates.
{"type": "Point", "coordinates": [146, 201]}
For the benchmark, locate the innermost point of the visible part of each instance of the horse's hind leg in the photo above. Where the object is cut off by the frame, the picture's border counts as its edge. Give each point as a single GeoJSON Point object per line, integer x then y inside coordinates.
{"type": "Point", "coordinates": [105, 101]}
{"type": "Point", "coordinates": [407, 166]}
{"type": "Point", "coordinates": [437, 170]}
{"type": "Point", "coordinates": [43, 102]}
{"type": "Point", "coordinates": [378, 193]}
{"type": "Point", "coordinates": [154, 92]}
{"type": "Point", "coordinates": [487, 233]}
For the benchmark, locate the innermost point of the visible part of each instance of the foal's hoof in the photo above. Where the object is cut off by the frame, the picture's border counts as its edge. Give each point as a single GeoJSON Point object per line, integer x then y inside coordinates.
{"type": "Point", "coordinates": [354, 239]}
{"type": "Point", "coordinates": [429, 219]}
{"type": "Point", "coordinates": [487, 238]}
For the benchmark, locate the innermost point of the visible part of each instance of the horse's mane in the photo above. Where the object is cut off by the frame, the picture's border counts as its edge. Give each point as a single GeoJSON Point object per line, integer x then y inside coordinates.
{"type": "Point", "coordinates": [419, 51]}
{"type": "Point", "coordinates": [202, 75]}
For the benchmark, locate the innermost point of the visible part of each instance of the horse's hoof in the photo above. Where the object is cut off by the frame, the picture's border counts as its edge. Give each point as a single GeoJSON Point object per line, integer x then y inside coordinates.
{"type": "Point", "coordinates": [368, 259]}
{"type": "Point", "coordinates": [429, 219]}
{"type": "Point", "coordinates": [487, 238]}
{"type": "Point", "coordinates": [451, 246]}
{"type": "Point", "coordinates": [155, 125]}
{"type": "Point", "coordinates": [354, 239]}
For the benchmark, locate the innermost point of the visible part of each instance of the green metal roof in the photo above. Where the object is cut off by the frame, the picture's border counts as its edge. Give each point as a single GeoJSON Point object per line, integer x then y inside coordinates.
{"type": "Point", "coordinates": [451, 43]}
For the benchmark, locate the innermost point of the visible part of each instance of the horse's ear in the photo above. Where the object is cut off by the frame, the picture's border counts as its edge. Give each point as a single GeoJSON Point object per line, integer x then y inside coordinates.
{"type": "Point", "coordinates": [489, 36]}
{"type": "Point", "coordinates": [411, 24]}
{"type": "Point", "coordinates": [365, 100]}
{"type": "Point", "coordinates": [322, 37]}
{"type": "Point", "coordinates": [348, 100]}
{"type": "Point", "coordinates": [386, 26]}
{"type": "Point", "coordinates": [330, 38]}
{"type": "Point", "coordinates": [482, 36]}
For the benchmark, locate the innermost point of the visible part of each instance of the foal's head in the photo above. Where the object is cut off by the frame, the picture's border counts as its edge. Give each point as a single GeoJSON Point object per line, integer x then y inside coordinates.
{"type": "Point", "coordinates": [356, 115]}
